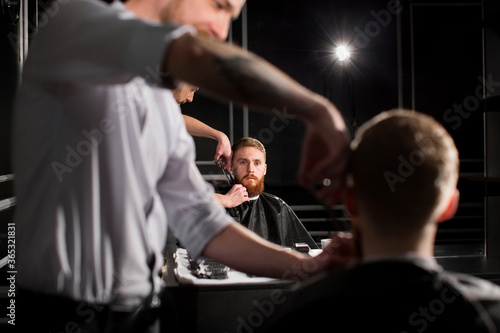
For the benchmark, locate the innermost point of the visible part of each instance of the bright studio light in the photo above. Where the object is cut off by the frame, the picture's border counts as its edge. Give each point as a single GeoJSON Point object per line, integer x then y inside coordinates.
{"type": "Point", "coordinates": [342, 53]}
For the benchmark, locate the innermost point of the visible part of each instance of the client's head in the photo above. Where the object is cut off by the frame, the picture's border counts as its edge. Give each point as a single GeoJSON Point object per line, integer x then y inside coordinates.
{"type": "Point", "coordinates": [248, 165]}
{"type": "Point", "coordinates": [403, 173]}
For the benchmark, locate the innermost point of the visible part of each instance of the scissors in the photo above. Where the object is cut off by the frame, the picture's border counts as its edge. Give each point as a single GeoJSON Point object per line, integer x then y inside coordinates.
{"type": "Point", "coordinates": [229, 177]}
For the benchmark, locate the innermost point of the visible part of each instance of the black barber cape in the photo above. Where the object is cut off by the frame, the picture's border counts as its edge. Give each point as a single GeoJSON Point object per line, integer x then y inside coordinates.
{"type": "Point", "coordinates": [272, 219]}
{"type": "Point", "coordinates": [390, 295]}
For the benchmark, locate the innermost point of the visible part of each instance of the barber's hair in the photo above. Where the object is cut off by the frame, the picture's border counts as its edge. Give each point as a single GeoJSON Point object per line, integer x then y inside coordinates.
{"type": "Point", "coordinates": [248, 142]}
{"type": "Point", "coordinates": [404, 166]}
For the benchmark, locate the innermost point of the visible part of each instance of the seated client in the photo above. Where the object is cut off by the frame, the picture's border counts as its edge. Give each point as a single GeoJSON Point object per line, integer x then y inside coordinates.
{"type": "Point", "coordinates": [404, 172]}
{"type": "Point", "coordinates": [265, 214]}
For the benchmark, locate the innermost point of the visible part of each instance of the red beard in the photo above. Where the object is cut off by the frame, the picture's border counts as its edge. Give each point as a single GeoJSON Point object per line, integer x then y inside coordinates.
{"type": "Point", "coordinates": [254, 188]}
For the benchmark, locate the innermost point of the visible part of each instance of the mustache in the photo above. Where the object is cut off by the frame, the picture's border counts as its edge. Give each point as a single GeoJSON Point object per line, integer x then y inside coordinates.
{"type": "Point", "coordinates": [250, 176]}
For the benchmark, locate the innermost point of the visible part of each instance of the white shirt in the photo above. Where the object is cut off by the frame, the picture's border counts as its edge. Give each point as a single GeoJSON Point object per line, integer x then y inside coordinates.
{"type": "Point", "coordinates": [102, 159]}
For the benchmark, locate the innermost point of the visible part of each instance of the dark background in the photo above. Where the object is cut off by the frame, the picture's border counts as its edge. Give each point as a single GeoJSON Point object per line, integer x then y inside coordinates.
{"type": "Point", "coordinates": [443, 43]}
{"type": "Point", "coordinates": [431, 58]}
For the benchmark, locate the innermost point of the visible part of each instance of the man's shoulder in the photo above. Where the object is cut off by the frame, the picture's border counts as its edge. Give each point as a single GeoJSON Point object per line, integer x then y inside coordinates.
{"type": "Point", "coordinates": [396, 288]}
{"type": "Point", "coordinates": [474, 288]}
{"type": "Point", "coordinates": [272, 197]}
{"type": "Point", "coordinates": [275, 201]}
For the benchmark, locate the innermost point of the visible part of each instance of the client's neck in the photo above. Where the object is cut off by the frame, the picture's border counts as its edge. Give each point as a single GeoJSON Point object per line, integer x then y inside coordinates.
{"type": "Point", "coordinates": [373, 244]}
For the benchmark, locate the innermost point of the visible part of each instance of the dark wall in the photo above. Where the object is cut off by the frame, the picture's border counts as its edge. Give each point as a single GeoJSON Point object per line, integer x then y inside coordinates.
{"type": "Point", "coordinates": [492, 135]}
{"type": "Point", "coordinates": [8, 83]}
{"type": "Point", "coordinates": [299, 38]}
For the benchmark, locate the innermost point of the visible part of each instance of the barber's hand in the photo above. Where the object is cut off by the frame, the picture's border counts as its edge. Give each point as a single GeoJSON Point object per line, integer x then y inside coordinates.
{"type": "Point", "coordinates": [223, 151]}
{"type": "Point", "coordinates": [325, 156]}
{"type": "Point", "coordinates": [340, 253]}
{"type": "Point", "coordinates": [235, 197]}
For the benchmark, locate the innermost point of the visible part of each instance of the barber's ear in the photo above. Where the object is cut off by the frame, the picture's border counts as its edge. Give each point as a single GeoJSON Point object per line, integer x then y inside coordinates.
{"type": "Point", "coordinates": [265, 169]}
{"type": "Point", "coordinates": [451, 207]}
{"type": "Point", "coordinates": [349, 202]}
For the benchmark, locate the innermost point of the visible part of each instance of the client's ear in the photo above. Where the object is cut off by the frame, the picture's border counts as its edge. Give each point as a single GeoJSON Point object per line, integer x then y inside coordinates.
{"type": "Point", "coordinates": [451, 207]}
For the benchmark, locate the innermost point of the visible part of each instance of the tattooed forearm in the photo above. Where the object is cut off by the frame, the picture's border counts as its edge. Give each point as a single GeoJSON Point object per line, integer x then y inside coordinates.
{"type": "Point", "coordinates": [231, 73]}
{"type": "Point", "coordinates": [250, 79]}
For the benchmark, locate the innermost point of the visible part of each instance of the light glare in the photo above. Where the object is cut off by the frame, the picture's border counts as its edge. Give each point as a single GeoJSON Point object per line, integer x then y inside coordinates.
{"type": "Point", "coordinates": [342, 53]}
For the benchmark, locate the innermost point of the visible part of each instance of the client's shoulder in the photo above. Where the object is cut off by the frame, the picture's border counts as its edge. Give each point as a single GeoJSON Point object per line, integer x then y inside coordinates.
{"type": "Point", "coordinates": [473, 287]}
{"type": "Point", "coordinates": [272, 197]}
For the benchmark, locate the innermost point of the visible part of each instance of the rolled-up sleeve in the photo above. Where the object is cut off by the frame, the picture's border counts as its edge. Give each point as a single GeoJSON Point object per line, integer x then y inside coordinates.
{"type": "Point", "coordinates": [85, 41]}
{"type": "Point", "coordinates": [192, 211]}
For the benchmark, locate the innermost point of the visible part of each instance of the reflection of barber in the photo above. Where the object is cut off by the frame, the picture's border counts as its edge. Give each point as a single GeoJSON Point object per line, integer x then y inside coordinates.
{"type": "Point", "coordinates": [185, 94]}
{"type": "Point", "coordinates": [263, 213]}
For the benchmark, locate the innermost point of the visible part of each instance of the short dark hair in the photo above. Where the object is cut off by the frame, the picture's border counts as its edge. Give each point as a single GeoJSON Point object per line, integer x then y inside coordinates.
{"type": "Point", "coordinates": [403, 166]}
